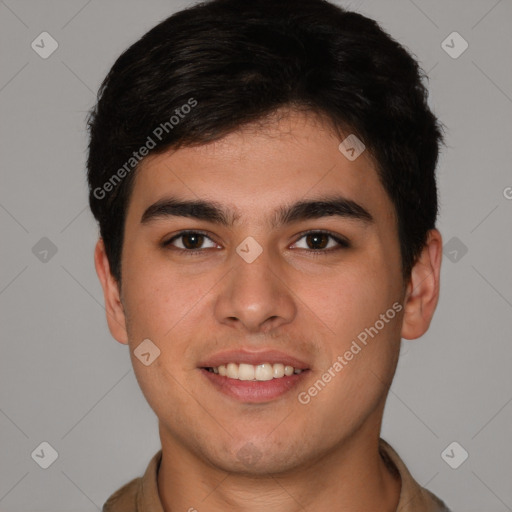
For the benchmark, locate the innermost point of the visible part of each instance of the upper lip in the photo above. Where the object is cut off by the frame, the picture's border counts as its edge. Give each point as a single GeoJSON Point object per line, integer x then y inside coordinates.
{"type": "Point", "coordinates": [252, 357]}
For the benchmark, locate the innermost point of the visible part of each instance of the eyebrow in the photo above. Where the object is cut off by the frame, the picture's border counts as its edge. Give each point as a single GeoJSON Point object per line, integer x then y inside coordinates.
{"type": "Point", "coordinates": [214, 212]}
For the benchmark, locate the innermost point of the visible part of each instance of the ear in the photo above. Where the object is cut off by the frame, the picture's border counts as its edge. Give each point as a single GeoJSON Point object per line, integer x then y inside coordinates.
{"type": "Point", "coordinates": [422, 291]}
{"type": "Point", "coordinates": [115, 311]}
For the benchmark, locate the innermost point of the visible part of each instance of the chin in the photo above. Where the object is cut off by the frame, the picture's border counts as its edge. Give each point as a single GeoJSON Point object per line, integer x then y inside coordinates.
{"type": "Point", "coordinates": [258, 459]}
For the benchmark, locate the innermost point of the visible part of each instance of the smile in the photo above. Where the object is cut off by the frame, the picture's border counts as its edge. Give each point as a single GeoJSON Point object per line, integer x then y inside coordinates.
{"type": "Point", "coordinates": [260, 372]}
{"type": "Point", "coordinates": [250, 376]}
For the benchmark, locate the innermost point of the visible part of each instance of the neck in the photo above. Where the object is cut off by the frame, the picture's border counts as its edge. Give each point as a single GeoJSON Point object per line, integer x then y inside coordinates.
{"type": "Point", "coordinates": [352, 476]}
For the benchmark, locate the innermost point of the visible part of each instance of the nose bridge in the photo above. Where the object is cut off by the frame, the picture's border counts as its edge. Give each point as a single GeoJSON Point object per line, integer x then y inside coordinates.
{"type": "Point", "coordinates": [255, 293]}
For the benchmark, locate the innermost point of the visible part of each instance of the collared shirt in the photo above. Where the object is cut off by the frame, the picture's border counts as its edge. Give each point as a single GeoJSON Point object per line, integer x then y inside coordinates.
{"type": "Point", "coordinates": [141, 494]}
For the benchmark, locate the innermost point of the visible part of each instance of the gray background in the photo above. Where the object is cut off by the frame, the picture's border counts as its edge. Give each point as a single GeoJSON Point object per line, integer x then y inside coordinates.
{"type": "Point", "coordinates": [64, 380]}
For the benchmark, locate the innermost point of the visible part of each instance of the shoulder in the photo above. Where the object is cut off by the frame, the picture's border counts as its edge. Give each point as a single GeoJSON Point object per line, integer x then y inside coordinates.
{"type": "Point", "coordinates": [436, 504]}
{"type": "Point", "coordinates": [124, 499]}
{"type": "Point", "coordinates": [413, 497]}
{"type": "Point", "coordinates": [140, 494]}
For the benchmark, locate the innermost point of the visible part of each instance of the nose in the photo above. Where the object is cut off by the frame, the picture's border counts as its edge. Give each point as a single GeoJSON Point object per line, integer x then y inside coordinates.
{"type": "Point", "coordinates": [255, 296]}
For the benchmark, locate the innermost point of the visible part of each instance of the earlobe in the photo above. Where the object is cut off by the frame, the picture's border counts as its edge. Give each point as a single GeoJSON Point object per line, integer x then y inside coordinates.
{"type": "Point", "coordinates": [113, 306]}
{"type": "Point", "coordinates": [423, 288]}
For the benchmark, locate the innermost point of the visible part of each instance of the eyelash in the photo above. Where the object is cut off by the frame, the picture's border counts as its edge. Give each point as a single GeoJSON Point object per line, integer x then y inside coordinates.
{"type": "Point", "coordinates": [342, 243]}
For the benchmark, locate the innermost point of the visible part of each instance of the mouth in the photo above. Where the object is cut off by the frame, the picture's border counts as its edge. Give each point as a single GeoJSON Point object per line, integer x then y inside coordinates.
{"type": "Point", "coordinates": [261, 372]}
{"type": "Point", "coordinates": [254, 377]}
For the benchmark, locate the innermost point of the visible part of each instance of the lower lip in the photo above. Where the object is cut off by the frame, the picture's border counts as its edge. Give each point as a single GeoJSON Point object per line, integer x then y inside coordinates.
{"type": "Point", "coordinates": [254, 391]}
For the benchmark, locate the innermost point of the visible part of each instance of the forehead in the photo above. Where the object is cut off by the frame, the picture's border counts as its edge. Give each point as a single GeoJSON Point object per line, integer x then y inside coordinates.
{"type": "Point", "coordinates": [258, 168]}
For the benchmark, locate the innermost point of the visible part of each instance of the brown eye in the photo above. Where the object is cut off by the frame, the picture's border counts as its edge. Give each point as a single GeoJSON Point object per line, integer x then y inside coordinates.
{"type": "Point", "coordinates": [318, 241]}
{"type": "Point", "coordinates": [191, 241]}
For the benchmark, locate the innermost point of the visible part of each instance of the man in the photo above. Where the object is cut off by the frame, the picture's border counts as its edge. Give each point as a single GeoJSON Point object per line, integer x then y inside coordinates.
{"type": "Point", "coordinates": [263, 174]}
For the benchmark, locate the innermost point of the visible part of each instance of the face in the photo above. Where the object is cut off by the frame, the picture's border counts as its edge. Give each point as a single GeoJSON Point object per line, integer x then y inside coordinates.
{"type": "Point", "coordinates": [262, 291]}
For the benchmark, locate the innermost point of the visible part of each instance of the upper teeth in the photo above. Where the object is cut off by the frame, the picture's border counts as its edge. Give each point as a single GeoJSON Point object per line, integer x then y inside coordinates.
{"type": "Point", "coordinates": [264, 371]}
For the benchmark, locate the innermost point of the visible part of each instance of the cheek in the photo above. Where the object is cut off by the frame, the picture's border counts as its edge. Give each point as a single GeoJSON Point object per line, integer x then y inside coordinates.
{"type": "Point", "coordinates": [360, 306]}
{"type": "Point", "coordinates": [171, 308]}
{"type": "Point", "coordinates": [167, 391]}
{"type": "Point", "coordinates": [351, 299]}
{"type": "Point", "coordinates": [156, 295]}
